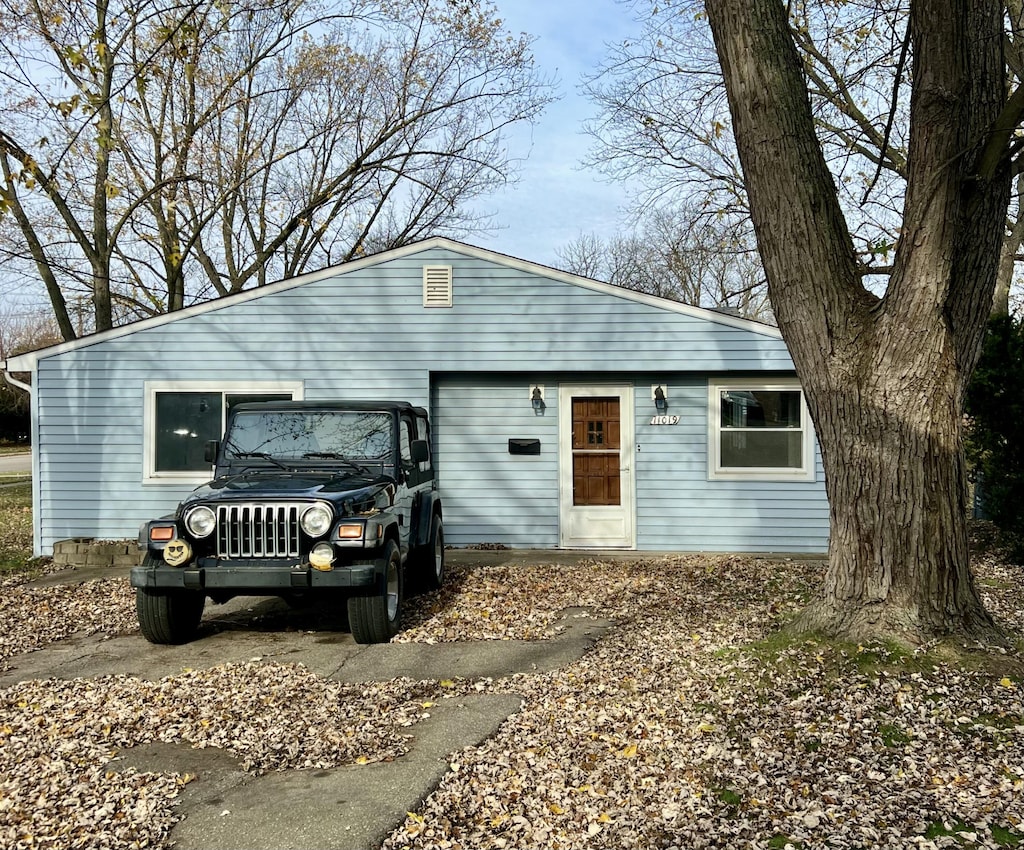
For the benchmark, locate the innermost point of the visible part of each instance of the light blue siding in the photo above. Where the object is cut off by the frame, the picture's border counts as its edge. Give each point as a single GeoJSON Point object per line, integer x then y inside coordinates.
{"type": "Point", "coordinates": [361, 332]}
{"type": "Point", "coordinates": [490, 496]}
{"type": "Point", "coordinates": [493, 497]}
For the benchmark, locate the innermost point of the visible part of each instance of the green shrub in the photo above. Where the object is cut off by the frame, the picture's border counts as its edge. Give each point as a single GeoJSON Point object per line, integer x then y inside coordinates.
{"type": "Point", "coordinates": [995, 436]}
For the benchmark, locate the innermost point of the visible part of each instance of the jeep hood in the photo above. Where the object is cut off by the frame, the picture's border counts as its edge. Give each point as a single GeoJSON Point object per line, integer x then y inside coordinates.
{"type": "Point", "coordinates": [258, 485]}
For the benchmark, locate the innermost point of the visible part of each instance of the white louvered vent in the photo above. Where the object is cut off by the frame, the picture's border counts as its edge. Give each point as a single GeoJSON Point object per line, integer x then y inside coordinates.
{"type": "Point", "coordinates": [437, 286]}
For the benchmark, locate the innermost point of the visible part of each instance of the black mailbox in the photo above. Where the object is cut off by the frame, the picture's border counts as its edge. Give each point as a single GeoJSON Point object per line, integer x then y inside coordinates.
{"type": "Point", "coordinates": [523, 446]}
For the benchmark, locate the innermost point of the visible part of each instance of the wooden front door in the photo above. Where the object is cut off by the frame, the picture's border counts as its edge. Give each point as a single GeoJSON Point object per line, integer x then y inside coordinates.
{"type": "Point", "coordinates": [595, 451]}
{"type": "Point", "coordinates": [596, 441]}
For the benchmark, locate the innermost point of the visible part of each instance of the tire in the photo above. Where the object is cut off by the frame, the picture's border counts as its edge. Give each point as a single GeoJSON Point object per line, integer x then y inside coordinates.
{"type": "Point", "coordinates": [375, 619]}
{"type": "Point", "coordinates": [431, 566]}
{"type": "Point", "coordinates": [169, 616]}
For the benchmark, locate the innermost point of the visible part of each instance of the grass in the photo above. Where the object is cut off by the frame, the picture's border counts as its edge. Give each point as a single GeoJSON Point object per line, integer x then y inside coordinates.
{"type": "Point", "coordinates": [784, 650]}
{"type": "Point", "coordinates": [14, 448]}
{"type": "Point", "coordinates": [15, 528]}
{"type": "Point", "coordinates": [960, 832]}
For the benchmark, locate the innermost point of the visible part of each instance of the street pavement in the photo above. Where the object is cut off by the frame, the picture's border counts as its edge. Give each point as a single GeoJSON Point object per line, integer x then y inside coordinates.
{"type": "Point", "coordinates": [16, 464]}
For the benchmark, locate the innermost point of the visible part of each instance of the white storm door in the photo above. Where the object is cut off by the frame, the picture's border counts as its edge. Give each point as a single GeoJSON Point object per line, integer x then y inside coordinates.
{"type": "Point", "coordinates": [595, 449]}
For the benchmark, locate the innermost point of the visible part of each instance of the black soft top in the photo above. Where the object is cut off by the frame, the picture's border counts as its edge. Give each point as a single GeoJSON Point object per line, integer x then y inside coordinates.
{"type": "Point", "coordinates": [331, 404]}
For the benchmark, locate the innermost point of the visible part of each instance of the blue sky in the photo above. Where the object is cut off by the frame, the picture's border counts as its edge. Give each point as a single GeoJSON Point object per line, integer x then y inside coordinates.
{"type": "Point", "coordinates": [555, 199]}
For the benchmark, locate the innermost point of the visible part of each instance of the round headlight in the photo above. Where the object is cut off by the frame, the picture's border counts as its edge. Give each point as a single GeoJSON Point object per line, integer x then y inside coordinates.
{"type": "Point", "coordinates": [316, 520]}
{"type": "Point", "coordinates": [200, 521]}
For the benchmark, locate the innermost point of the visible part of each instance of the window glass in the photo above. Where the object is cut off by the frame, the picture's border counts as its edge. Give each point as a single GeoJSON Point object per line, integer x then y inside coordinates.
{"type": "Point", "coordinates": [295, 433]}
{"type": "Point", "coordinates": [760, 408]}
{"type": "Point", "coordinates": [422, 428]}
{"type": "Point", "coordinates": [782, 449]}
{"type": "Point", "coordinates": [760, 432]}
{"type": "Point", "coordinates": [184, 422]}
{"type": "Point", "coordinates": [405, 443]}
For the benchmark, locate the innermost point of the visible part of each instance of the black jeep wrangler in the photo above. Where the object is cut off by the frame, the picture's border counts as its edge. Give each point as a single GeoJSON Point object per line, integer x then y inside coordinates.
{"type": "Point", "coordinates": [307, 498]}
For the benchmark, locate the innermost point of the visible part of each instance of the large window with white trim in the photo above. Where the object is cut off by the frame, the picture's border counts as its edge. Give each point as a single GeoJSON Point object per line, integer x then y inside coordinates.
{"type": "Point", "coordinates": [759, 431]}
{"type": "Point", "coordinates": [181, 417]}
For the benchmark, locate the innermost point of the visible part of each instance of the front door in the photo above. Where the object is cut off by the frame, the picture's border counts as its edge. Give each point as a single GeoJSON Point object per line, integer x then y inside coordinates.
{"type": "Point", "coordinates": [596, 466]}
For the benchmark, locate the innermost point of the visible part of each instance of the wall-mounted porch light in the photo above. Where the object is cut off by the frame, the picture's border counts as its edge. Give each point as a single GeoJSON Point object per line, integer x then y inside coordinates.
{"type": "Point", "coordinates": [660, 398]}
{"type": "Point", "coordinates": [537, 399]}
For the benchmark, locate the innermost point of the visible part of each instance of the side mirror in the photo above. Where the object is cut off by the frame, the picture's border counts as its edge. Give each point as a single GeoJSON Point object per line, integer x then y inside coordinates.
{"type": "Point", "coordinates": [420, 450]}
{"type": "Point", "coordinates": [211, 450]}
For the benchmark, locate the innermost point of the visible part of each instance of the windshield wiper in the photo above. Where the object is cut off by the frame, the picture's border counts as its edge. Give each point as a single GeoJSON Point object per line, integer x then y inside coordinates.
{"type": "Point", "coordinates": [262, 455]}
{"type": "Point", "coordinates": [337, 456]}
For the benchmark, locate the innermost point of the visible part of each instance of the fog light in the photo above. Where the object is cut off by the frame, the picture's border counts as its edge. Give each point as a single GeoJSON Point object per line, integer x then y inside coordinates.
{"type": "Point", "coordinates": [322, 556]}
{"type": "Point", "coordinates": [177, 552]}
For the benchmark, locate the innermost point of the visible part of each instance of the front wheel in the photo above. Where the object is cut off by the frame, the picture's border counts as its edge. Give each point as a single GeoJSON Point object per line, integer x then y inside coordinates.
{"type": "Point", "coordinates": [169, 616]}
{"type": "Point", "coordinates": [375, 619]}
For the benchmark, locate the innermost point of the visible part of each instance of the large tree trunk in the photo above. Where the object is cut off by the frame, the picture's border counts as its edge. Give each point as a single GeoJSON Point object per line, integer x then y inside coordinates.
{"type": "Point", "coordinates": [884, 376]}
{"type": "Point", "coordinates": [898, 559]}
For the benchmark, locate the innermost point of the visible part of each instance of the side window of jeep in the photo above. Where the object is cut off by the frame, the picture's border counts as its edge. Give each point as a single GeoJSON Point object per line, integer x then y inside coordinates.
{"type": "Point", "coordinates": [423, 433]}
{"type": "Point", "coordinates": [405, 448]}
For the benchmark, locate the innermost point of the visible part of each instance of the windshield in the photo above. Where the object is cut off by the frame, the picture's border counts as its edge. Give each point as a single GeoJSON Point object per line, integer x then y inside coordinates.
{"type": "Point", "coordinates": [291, 434]}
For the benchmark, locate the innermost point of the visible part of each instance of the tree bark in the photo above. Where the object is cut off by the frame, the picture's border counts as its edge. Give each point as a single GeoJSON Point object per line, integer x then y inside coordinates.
{"type": "Point", "coordinates": [103, 314]}
{"type": "Point", "coordinates": [884, 376]}
{"type": "Point", "coordinates": [1008, 256]}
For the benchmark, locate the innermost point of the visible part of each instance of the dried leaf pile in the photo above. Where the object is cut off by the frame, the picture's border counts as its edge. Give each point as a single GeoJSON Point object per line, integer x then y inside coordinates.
{"type": "Point", "coordinates": [678, 732]}
{"type": "Point", "coordinates": [33, 617]}
{"type": "Point", "coordinates": [687, 725]}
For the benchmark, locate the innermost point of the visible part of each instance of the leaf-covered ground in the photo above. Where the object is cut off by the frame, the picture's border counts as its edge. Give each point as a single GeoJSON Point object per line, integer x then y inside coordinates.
{"type": "Point", "coordinates": [689, 724]}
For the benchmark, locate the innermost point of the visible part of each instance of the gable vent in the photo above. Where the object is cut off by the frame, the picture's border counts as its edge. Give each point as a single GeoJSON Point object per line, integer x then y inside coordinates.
{"type": "Point", "coordinates": [437, 286]}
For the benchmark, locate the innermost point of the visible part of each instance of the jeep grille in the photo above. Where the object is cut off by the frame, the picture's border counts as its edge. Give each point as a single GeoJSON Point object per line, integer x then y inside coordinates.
{"type": "Point", "coordinates": [264, 530]}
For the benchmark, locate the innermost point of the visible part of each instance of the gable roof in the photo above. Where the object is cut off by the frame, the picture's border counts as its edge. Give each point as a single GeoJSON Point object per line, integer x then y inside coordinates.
{"type": "Point", "coordinates": [26, 362]}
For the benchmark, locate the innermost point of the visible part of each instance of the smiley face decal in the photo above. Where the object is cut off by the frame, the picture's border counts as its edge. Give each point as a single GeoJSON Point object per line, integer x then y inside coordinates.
{"type": "Point", "coordinates": [177, 552]}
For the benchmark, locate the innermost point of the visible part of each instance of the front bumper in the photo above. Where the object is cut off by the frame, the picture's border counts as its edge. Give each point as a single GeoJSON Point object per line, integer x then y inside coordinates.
{"type": "Point", "coordinates": [261, 576]}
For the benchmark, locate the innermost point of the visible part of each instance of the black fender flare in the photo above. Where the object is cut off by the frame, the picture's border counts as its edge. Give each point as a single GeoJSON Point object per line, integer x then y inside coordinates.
{"type": "Point", "coordinates": [425, 509]}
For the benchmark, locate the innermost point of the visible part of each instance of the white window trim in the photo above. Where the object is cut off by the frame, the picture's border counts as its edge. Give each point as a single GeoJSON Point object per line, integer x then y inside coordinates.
{"type": "Point", "coordinates": [716, 472]}
{"type": "Point", "coordinates": [149, 473]}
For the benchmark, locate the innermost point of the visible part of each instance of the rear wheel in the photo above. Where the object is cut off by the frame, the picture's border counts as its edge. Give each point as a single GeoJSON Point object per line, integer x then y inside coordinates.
{"type": "Point", "coordinates": [375, 619]}
{"type": "Point", "coordinates": [169, 616]}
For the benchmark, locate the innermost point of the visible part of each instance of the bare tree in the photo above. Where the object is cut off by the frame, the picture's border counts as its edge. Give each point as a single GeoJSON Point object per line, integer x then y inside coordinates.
{"type": "Point", "coordinates": [185, 150]}
{"type": "Point", "coordinates": [664, 123]}
{"type": "Point", "coordinates": [694, 259]}
{"type": "Point", "coordinates": [884, 376]}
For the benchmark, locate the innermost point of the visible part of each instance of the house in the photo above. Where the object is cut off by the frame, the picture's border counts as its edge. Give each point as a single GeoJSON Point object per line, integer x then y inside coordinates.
{"type": "Point", "coordinates": [566, 412]}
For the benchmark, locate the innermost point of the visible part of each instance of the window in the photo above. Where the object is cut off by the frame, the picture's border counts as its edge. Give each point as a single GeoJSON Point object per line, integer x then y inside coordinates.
{"type": "Point", "coordinates": [405, 444]}
{"type": "Point", "coordinates": [181, 417]}
{"type": "Point", "coordinates": [759, 431]}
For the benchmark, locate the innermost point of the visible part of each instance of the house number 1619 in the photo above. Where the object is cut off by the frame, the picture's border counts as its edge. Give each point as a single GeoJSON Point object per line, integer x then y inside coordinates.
{"type": "Point", "coordinates": [664, 420]}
